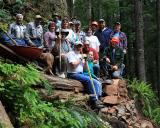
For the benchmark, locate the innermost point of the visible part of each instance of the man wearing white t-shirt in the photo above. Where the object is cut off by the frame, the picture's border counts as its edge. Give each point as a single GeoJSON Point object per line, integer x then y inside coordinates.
{"type": "Point", "coordinates": [94, 42]}
{"type": "Point", "coordinates": [75, 64]}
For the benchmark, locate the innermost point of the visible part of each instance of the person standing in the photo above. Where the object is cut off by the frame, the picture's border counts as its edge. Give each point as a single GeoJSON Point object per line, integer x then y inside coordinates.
{"type": "Point", "coordinates": [94, 26]}
{"type": "Point", "coordinates": [103, 35]}
{"type": "Point", "coordinates": [50, 36]}
{"type": "Point", "coordinates": [94, 42]}
{"type": "Point", "coordinates": [35, 31]}
{"type": "Point", "coordinates": [121, 35]}
{"type": "Point", "coordinates": [80, 35]}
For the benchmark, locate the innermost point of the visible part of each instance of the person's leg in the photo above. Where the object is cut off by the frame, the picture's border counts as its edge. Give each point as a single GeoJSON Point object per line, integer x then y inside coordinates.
{"type": "Point", "coordinates": [121, 69]}
{"type": "Point", "coordinates": [94, 88]}
{"type": "Point", "coordinates": [96, 69]}
{"type": "Point", "coordinates": [119, 72]}
{"type": "Point", "coordinates": [105, 68]}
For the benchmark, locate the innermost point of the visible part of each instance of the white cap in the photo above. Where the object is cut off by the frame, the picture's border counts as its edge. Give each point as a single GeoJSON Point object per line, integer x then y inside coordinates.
{"type": "Point", "coordinates": [78, 42]}
{"type": "Point", "coordinates": [38, 17]}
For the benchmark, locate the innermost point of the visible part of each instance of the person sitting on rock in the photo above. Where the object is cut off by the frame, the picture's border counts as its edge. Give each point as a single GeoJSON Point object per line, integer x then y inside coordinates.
{"type": "Point", "coordinates": [112, 62]}
{"type": "Point", "coordinates": [75, 63]}
{"type": "Point", "coordinates": [86, 50]}
{"type": "Point", "coordinates": [88, 67]}
{"type": "Point", "coordinates": [18, 32]}
{"type": "Point", "coordinates": [35, 31]}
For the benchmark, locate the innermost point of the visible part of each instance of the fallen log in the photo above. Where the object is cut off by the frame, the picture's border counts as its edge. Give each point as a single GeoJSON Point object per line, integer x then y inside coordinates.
{"type": "Point", "coordinates": [64, 84]}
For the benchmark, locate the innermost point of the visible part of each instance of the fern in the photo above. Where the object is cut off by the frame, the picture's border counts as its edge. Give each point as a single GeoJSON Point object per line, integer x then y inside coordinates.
{"type": "Point", "coordinates": [143, 92]}
{"type": "Point", "coordinates": [23, 101]}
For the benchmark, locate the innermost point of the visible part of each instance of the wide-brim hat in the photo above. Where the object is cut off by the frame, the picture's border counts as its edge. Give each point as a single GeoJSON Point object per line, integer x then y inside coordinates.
{"type": "Point", "coordinates": [65, 31]}
{"type": "Point", "coordinates": [38, 17]}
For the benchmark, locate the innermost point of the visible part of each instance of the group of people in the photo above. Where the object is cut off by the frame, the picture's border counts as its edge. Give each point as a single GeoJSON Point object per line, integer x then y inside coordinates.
{"type": "Point", "coordinates": [83, 55]}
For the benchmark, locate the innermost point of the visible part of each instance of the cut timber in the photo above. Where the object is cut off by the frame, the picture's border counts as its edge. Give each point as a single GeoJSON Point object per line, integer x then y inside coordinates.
{"type": "Point", "coordinates": [4, 119]}
{"type": "Point", "coordinates": [111, 100]}
{"type": "Point", "coordinates": [112, 89]}
{"type": "Point", "coordinates": [65, 84]}
{"type": "Point", "coordinates": [63, 95]}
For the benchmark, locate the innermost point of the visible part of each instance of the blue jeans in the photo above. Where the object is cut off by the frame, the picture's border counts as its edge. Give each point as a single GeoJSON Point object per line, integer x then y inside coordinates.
{"type": "Point", "coordinates": [96, 69]}
{"type": "Point", "coordinates": [119, 72]}
{"type": "Point", "coordinates": [86, 82]}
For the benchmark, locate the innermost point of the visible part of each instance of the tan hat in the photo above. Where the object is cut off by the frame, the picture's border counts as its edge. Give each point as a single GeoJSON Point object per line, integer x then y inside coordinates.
{"type": "Point", "coordinates": [38, 17]}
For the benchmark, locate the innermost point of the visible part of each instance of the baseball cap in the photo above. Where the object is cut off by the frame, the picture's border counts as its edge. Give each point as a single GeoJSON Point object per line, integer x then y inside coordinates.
{"type": "Point", "coordinates": [78, 43]}
{"type": "Point", "coordinates": [101, 20]}
{"type": "Point", "coordinates": [117, 23]}
{"type": "Point", "coordinates": [77, 22]}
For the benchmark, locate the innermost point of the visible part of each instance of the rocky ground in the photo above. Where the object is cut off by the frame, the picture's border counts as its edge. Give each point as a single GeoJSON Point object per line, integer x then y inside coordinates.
{"type": "Point", "coordinates": [120, 110]}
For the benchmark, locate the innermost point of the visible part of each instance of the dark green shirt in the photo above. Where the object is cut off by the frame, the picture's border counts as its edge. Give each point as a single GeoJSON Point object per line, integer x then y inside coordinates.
{"type": "Point", "coordinates": [115, 55]}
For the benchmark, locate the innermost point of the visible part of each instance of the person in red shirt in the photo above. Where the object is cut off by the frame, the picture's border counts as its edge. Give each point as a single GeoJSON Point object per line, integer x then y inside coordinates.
{"type": "Point", "coordinates": [86, 50]}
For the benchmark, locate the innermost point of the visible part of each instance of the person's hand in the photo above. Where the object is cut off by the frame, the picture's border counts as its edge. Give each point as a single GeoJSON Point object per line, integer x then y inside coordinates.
{"type": "Point", "coordinates": [124, 51]}
{"type": "Point", "coordinates": [114, 68]}
{"type": "Point", "coordinates": [95, 61]}
{"type": "Point", "coordinates": [31, 44]}
{"type": "Point", "coordinates": [63, 55]}
{"type": "Point", "coordinates": [108, 60]}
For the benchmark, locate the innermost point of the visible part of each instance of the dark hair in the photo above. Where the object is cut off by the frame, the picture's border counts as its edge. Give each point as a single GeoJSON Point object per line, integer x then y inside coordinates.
{"type": "Point", "coordinates": [51, 23]}
{"type": "Point", "coordinates": [88, 28]}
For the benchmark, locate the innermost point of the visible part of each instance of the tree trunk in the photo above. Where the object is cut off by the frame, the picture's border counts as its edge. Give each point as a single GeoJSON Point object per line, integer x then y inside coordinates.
{"type": "Point", "coordinates": [70, 7]}
{"type": "Point", "coordinates": [100, 8]}
{"type": "Point", "coordinates": [140, 61]}
{"type": "Point", "coordinates": [158, 35]}
{"type": "Point", "coordinates": [89, 11]}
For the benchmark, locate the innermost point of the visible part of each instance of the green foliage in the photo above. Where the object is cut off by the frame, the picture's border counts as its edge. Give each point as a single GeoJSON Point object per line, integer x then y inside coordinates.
{"type": "Point", "coordinates": [143, 92]}
{"type": "Point", "coordinates": [22, 100]}
{"type": "Point", "coordinates": [4, 15]}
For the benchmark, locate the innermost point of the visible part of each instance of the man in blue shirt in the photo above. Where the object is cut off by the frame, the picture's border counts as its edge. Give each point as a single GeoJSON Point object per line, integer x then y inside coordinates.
{"type": "Point", "coordinates": [103, 34]}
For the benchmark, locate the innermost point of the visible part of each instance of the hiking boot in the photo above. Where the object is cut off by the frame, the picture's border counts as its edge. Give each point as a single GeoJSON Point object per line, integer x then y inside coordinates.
{"type": "Point", "coordinates": [107, 81]}
{"type": "Point", "coordinates": [62, 75]}
{"type": "Point", "coordinates": [98, 104]}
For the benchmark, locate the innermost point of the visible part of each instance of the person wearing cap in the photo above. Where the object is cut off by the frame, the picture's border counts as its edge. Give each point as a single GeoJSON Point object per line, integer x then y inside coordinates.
{"type": "Point", "coordinates": [35, 31]}
{"type": "Point", "coordinates": [94, 26]}
{"type": "Point", "coordinates": [71, 26]}
{"type": "Point", "coordinates": [103, 35]}
{"type": "Point", "coordinates": [65, 48]}
{"type": "Point", "coordinates": [80, 35]}
{"type": "Point", "coordinates": [50, 36]}
{"type": "Point", "coordinates": [71, 36]}
{"type": "Point", "coordinates": [86, 50]}
{"type": "Point", "coordinates": [112, 61]}
{"type": "Point", "coordinates": [56, 19]}
{"type": "Point", "coordinates": [75, 63]}
{"type": "Point", "coordinates": [18, 31]}
{"type": "Point", "coordinates": [94, 42]}
{"type": "Point", "coordinates": [121, 35]}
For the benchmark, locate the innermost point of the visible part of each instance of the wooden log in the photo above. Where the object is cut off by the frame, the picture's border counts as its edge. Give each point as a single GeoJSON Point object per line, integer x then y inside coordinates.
{"type": "Point", "coordinates": [4, 119]}
{"type": "Point", "coordinates": [64, 84]}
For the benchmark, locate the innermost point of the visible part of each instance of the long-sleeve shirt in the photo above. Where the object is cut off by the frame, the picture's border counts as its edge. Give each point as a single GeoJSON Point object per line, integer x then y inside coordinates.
{"type": "Point", "coordinates": [18, 31]}
{"type": "Point", "coordinates": [123, 39]}
{"type": "Point", "coordinates": [49, 39]}
{"type": "Point", "coordinates": [35, 31]}
{"type": "Point", "coordinates": [103, 37]}
{"type": "Point", "coordinates": [115, 55]}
